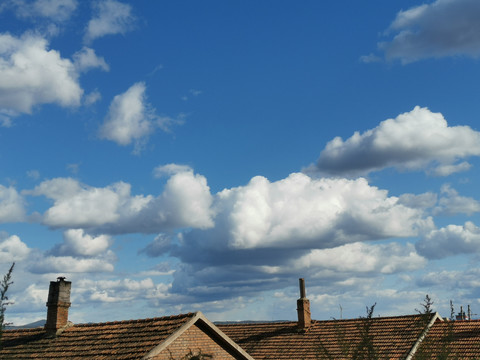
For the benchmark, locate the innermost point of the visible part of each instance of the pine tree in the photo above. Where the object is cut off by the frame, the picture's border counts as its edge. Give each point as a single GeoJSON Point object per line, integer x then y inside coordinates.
{"type": "Point", "coordinates": [4, 285]}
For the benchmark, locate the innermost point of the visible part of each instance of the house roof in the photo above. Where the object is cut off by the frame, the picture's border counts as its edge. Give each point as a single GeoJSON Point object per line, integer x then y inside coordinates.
{"type": "Point", "coordinates": [393, 337]}
{"type": "Point", "coordinates": [133, 339]}
{"type": "Point", "coordinates": [459, 339]}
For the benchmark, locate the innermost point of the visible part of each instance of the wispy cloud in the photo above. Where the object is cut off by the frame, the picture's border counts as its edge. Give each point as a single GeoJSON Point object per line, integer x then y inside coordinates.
{"type": "Point", "coordinates": [54, 10]}
{"type": "Point", "coordinates": [111, 17]}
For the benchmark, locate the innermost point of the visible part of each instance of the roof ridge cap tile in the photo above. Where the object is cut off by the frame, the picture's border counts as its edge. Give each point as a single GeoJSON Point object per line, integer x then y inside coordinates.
{"type": "Point", "coordinates": [133, 321]}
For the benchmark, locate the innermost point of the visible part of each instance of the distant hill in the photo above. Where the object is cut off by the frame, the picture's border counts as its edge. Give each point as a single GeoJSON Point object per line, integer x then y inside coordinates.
{"type": "Point", "coordinates": [39, 323]}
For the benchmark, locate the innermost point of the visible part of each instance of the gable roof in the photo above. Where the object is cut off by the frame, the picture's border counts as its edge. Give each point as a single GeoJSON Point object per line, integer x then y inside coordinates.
{"type": "Point", "coordinates": [133, 339]}
{"type": "Point", "coordinates": [459, 339]}
{"type": "Point", "coordinates": [393, 337]}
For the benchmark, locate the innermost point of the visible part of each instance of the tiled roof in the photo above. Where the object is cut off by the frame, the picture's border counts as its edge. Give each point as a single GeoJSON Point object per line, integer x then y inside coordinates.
{"type": "Point", "coordinates": [458, 339]}
{"type": "Point", "coordinates": [113, 340]}
{"type": "Point", "coordinates": [393, 337]}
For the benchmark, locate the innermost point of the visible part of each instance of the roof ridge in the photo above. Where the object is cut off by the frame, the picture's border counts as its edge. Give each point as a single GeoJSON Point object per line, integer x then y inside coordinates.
{"type": "Point", "coordinates": [132, 321]}
{"type": "Point", "coordinates": [270, 323]}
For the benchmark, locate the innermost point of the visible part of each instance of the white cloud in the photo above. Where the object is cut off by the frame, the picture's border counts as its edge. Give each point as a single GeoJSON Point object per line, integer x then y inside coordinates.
{"type": "Point", "coordinates": [450, 240]}
{"type": "Point", "coordinates": [111, 17]}
{"type": "Point", "coordinates": [55, 10]}
{"type": "Point", "coordinates": [363, 258]}
{"type": "Point", "coordinates": [441, 28]}
{"type": "Point", "coordinates": [300, 211]}
{"type": "Point", "coordinates": [12, 249]}
{"type": "Point", "coordinates": [370, 58]}
{"type": "Point", "coordinates": [129, 118]}
{"type": "Point", "coordinates": [86, 59]}
{"type": "Point", "coordinates": [12, 207]}
{"type": "Point", "coordinates": [109, 291]}
{"type": "Point", "coordinates": [70, 264]}
{"type": "Point", "coordinates": [92, 98]}
{"type": "Point", "coordinates": [170, 169]}
{"type": "Point", "coordinates": [451, 203]}
{"type": "Point", "coordinates": [266, 233]}
{"type": "Point", "coordinates": [77, 243]}
{"type": "Point", "coordinates": [77, 205]}
{"type": "Point", "coordinates": [33, 75]}
{"type": "Point", "coordinates": [414, 140]}
{"type": "Point", "coordinates": [185, 202]}
{"type": "Point", "coordinates": [445, 170]}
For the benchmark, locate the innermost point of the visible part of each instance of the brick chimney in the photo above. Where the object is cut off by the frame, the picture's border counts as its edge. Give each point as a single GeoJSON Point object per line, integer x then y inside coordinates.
{"type": "Point", "coordinates": [303, 308]}
{"type": "Point", "coordinates": [58, 304]}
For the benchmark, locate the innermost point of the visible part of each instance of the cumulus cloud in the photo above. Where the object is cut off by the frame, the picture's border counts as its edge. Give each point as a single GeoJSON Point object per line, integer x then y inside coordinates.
{"type": "Point", "coordinates": [77, 206]}
{"type": "Point", "coordinates": [12, 248]}
{"type": "Point", "coordinates": [441, 28]}
{"type": "Point", "coordinates": [131, 118]}
{"type": "Point", "coordinates": [54, 10]}
{"type": "Point", "coordinates": [86, 59]}
{"type": "Point", "coordinates": [185, 202]}
{"type": "Point", "coordinates": [450, 240]}
{"type": "Point", "coordinates": [301, 211]}
{"type": "Point", "coordinates": [265, 233]}
{"type": "Point", "coordinates": [451, 203]}
{"type": "Point", "coordinates": [32, 75]}
{"type": "Point", "coordinates": [12, 205]}
{"type": "Point", "coordinates": [414, 140]}
{"type": "Point", "coordinates": [77, 243]}
{"type": "Point", "coordinates": [111, 17]}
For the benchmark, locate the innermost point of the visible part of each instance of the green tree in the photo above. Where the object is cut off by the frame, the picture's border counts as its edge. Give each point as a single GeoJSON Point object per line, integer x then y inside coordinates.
{"type": "Point", "coordinates": [363, 350]}
{"type": "Point", "coordinates": [426, 306]}
{"type": "Point", "coordinates": [4, 285]}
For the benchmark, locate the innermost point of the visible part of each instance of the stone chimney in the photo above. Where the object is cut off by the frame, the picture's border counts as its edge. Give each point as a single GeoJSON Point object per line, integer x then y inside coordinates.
{"type": "Point", "coordinates": [303, 308]}
{"type": "Point", "coordinates": [58, 304]}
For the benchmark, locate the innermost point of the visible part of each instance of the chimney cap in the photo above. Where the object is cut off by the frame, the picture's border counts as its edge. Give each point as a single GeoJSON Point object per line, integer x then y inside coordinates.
{"type": "Point", "coordinates": [61, 278]}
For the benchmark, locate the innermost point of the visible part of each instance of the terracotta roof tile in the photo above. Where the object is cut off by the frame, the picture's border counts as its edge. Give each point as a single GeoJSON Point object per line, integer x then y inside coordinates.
{"type": "Point", "coordinates": [123, 339]}
{"type": "Point", "coordinates": [393, 337]}
{"type": "Point", "coordinates": [458, 339]}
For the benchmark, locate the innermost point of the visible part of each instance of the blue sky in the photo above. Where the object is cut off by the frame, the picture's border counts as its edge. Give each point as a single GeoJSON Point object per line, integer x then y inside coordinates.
{"type": "Point", "coordinates": [169, 157]}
